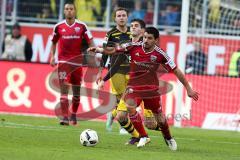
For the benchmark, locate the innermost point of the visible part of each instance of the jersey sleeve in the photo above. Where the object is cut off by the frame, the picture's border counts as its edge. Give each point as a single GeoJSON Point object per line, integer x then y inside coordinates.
{"type": "Point", "coordinates": [165, 60]}
{"type": "Point", "coordinates": [170, 65]}
{"type": "Point", "coordinates": [87, 34]}
{"type": "Point", "coordinates": [130, 47]}
{"type": "Point", "coordinates": [108, 39]}
{"type": "Point", "coordinates": [104, 60]}
{"type": "Point", "coordinates": [55, 35]}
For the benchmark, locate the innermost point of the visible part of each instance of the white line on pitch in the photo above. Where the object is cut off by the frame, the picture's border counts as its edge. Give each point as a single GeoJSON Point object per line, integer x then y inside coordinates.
{"type": "Point", "coordinates": [60, 129]}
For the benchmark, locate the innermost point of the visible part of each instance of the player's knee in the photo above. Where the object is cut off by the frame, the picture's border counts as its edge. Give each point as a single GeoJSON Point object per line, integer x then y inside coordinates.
{"type": "Point", "coordinates": [122, 117]}
{"type": "Point", "coordinates": [131, 105]}
{"type": "Point", "coordinates": [132, 111]}
{"type": "Point", "coordinates": [150, 123]}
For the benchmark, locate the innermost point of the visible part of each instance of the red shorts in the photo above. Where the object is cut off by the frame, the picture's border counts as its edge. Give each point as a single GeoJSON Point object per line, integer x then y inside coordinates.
{"type": "Point", "coordinates": [68, 73]}
{"type": "Point", "coordinates": [151, 99]}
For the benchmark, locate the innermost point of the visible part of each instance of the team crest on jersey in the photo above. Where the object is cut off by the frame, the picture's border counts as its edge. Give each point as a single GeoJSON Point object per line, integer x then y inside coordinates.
{"type": "Point", "coordinates": [153, 58]}
{"type": "Point", "coordinates": [77, 29]}
{"type": "Point", "coordinates": [137, 54]}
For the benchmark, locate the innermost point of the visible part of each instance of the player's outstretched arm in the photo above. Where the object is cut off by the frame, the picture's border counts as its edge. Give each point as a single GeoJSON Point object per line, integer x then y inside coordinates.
{"type": "Point", "coordinates": [118, 49]}
{"type": "Point", "coordinates": [94, 50]}
{"type": "Point", "coordinates": [191, 93]}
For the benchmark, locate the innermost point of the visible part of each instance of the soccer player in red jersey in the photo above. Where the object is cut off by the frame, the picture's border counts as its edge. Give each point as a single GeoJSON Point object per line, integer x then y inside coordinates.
{"type": "Point", "coordinates": [69, 34]}
{"type": "Point", "coordinates": [137, 30]}
{"type": "Point", "coordinates": [143, 85]}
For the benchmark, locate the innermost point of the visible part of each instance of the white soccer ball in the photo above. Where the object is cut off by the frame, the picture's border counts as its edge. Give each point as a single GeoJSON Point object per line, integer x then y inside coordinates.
{"type": "Point", "coordinates": [89, 138]}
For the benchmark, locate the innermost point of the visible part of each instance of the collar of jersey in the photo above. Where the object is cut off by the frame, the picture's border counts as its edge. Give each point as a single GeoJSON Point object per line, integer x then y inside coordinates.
{"type": "Point", "coordinates": [68, 24]}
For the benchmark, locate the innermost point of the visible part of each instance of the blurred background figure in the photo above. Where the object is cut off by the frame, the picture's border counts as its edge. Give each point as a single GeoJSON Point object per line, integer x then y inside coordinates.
{"type": "Point", "coordinates": [148, 18]}
{"type": "Point", "coordinates": [171, 16]}
{"type": "Point", "coordinates": [45, 13]}
{"type": "Point", "coordinates": [214, 12]}
{"type": "Point", "coordinates": [234, 64]}
{"type": "Point", "coordinates": [138, 12]}
{"type": "Point", "coordinates": [16, 46]}
{"type": "Point", "coordinates": [91, 10]}
{"type": "Point", "coordinates": [238, 67]}
{"type": "Point", "coordinates": [196, 60]}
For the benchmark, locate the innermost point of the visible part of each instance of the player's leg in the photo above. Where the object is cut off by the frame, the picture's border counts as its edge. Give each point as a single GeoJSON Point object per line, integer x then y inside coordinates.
{"type": "Point", "coordinates": [76, 77]}
{"type": "Point", "coordinates": [162, 123]}
{"type": "Point", "coordinates": [155, 105]}
{"type": "Point", "coordinates": [118, 85]}
{"type": "Point", "coordinates": [75, 104]}
{"type": "Point", "coordinates": [131, 102]}
{"type": "Point", "coordinates": [149, 120]}
{"type": "Point", "coordinates": [124, 121]}
{"type": "Point", "coordinates": [137, 121]}
{"type": "Point", "coordinates": [64, 87]}
{"type": "Point", "coordinates": [64, 105]}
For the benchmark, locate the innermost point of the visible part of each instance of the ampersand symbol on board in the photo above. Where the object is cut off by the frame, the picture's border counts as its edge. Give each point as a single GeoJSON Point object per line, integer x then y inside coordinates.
{"type": "Point", "coordinates": [13, 88]}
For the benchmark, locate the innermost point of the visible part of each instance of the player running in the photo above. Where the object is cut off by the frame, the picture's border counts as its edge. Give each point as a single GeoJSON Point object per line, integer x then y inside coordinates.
{"type": "Point", "coordinates": [143, 85]}
{"type": "Point", "coordinates": [118, 81]}
{"type": "Point", "coordinates": [137, 29]}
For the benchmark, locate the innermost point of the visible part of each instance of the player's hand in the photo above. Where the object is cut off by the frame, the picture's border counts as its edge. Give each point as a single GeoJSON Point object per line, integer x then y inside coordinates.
{"type": "Point", "coordinates": [52, 61]}
{"type": "Point", "coordinates": [100, 85]}
{"type": "Point", "coordinates": [92, 50]}
{"type": "Point", "coordinates": [193, 94]}
{"type": "Point", "coordinates": [98, 79]}
{"type": "Point", "coordinates": [109, 50]}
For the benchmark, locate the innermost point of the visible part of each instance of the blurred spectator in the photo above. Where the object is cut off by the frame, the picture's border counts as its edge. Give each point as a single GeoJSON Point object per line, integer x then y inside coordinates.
{"type": "Point", "coordinates": [100, 14]}
{"type": "Point", "coordinates": [234, 64]}
{"type": "Point", "coordinates": [238, 66]}
{"type": "Point", "coordinates": [28, 8]}
{"type": "Point", "coordinates": [46, 12]}
{"type": "Point", "coordinates": [196, 15]}
{"type": "Point", "coordinates": [86, 9]}
{"type": "Point", "coordinates": [138, 12]}
{"type": "Point", "coordinates": [9, 7]}
{"type": "Point", "coordinates": [214, 12]}
{"type": "Point", "coordinates": [171, 17]}
{"type": "Point", "coordinates": [236, 22]}
{"type": "Point", "coordinates": [128, 4]}
{"type": "Point", "coordinates": [196, 60]}
{"type": "Point", "coordinates": [17, 46]}
{"type": "Point", "coordinates": [148, 18]}
{"type": "Point", "coordinates": [54, 7]}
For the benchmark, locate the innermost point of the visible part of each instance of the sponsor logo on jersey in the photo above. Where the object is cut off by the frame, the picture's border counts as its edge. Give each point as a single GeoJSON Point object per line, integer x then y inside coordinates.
{"type": "Point", "coordinates": [63, 30]}
{"type": "Point", "coordinates": [71, 37]}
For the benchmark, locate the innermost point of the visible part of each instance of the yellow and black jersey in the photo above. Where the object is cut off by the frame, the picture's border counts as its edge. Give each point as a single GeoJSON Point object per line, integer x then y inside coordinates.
{"type": "Point", "coordinates": [116, 36]}
{"type": "Point", "coordinates": [115, 67]}
{"type": "Point", "coordinates": [112, 37]}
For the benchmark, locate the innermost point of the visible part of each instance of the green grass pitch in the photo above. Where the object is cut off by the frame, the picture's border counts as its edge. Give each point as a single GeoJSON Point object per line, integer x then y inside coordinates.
{"type": "Point", "coordinates": [34, 138]}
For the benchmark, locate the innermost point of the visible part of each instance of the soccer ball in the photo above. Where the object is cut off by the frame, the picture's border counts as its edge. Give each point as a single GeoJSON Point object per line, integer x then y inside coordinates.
{"type": "Point", "coordinates": [89, 138]}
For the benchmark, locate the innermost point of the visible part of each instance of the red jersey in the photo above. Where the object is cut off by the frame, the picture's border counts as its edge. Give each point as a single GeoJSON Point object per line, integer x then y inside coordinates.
{"type": "Point", "coordinates": [70, 39]}
{"type": "Point", "coordinates": [145, 65]}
